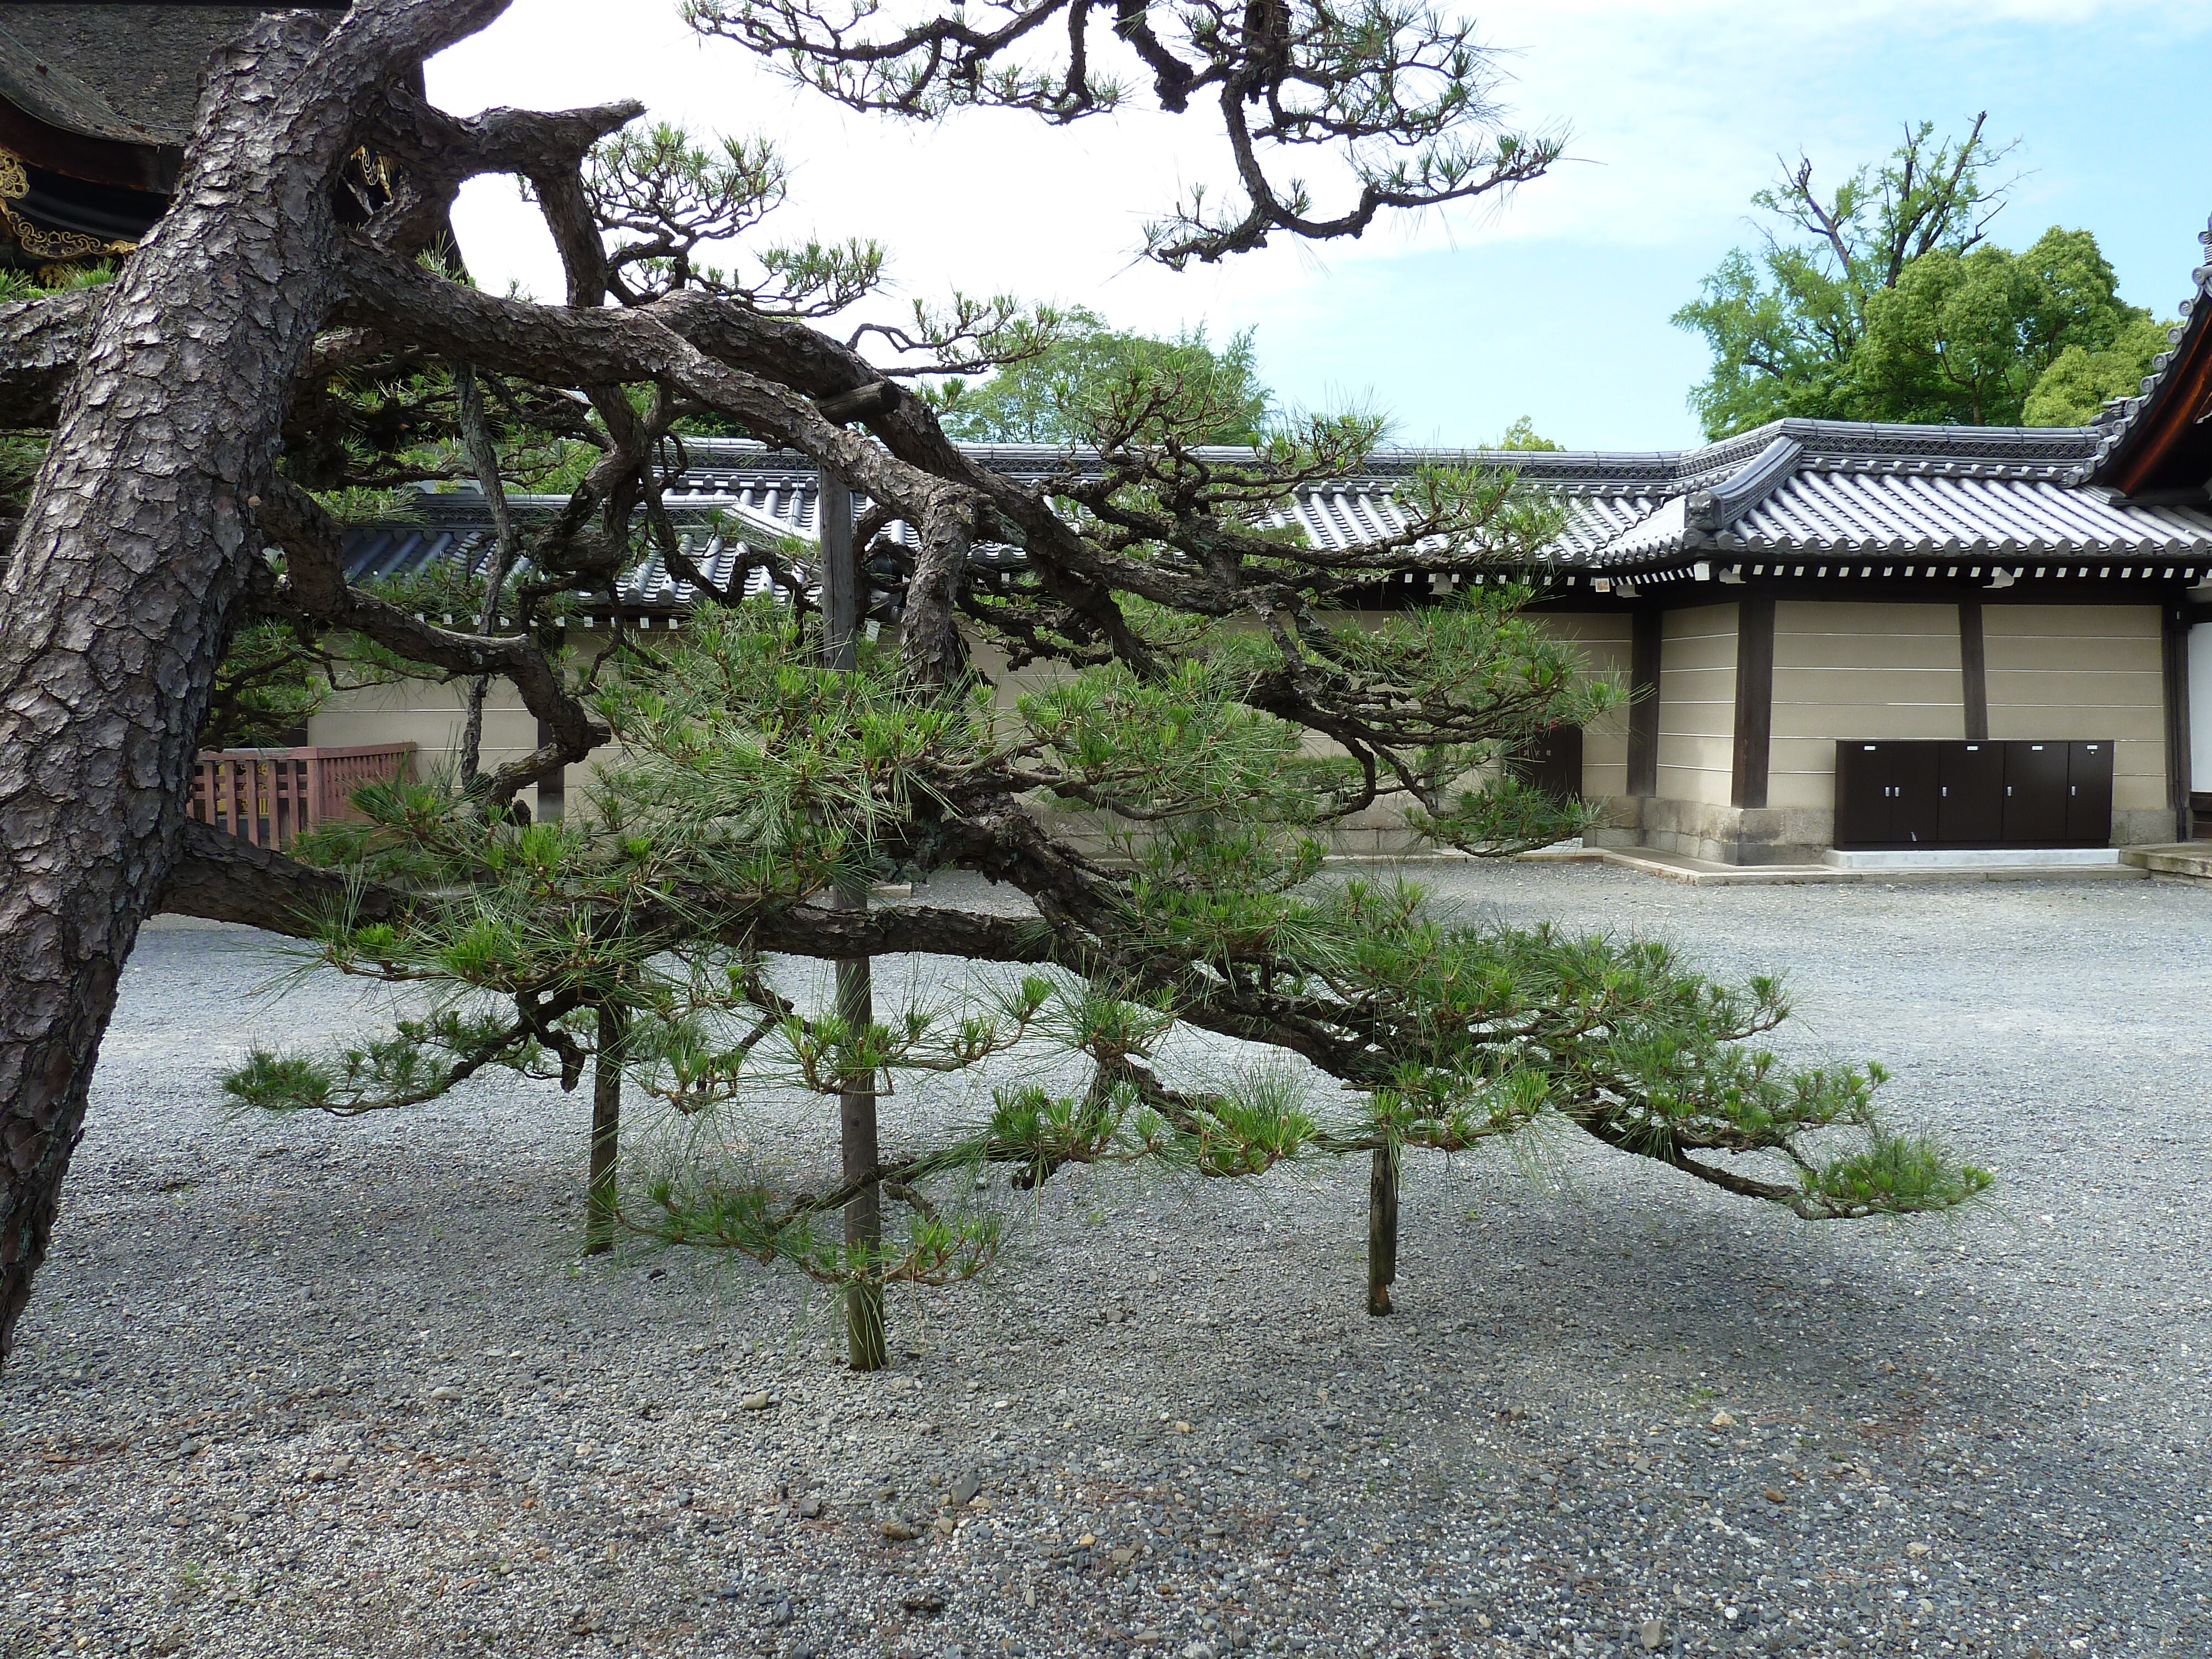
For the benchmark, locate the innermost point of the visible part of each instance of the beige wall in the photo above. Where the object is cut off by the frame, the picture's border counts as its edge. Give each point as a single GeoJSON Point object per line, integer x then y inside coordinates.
{"type": "Point", "coordinates": [2084, 672]}
{"type": "Point", "coordinates": [1697, 704]}
{"type": "Point", "coordinates": [429, 715]}
{"type": "Point", "coordinates": [1607, 640]}
{"type": "Point", "coordinates": [1844, 669]}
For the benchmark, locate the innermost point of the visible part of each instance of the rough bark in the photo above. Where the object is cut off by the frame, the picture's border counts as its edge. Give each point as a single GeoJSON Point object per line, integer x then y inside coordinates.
{"type": "Point", "coordinates": [41, 342]}
{"type": "Point", "coordinates": [136, 547]}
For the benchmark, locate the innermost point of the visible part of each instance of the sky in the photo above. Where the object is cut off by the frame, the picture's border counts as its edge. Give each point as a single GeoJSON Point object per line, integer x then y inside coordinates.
{"type": "Point", "coordinates": [1552, 304]}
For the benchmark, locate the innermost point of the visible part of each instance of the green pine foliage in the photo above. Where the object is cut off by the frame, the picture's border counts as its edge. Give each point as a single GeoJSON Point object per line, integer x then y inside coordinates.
{"type": "Point", "coordinates": [751, 784]}
{"type": "Point", "coordinates": [1222, 695]}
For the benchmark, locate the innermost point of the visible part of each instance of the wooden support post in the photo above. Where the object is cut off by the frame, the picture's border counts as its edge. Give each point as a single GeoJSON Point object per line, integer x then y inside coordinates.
{"type": "Point", "coordinates": [864, 1348]}
{"type": "Point", "coordinates": [1649, 624]}
{"type": "Point", "coordinates": [1382, 1230]}
{"type": "Point", "coordinates": [2173, 640]}
{"type": "Point", "coordinates": [600, 1197]}
{"type": "Point", "coordinates": [1974, 670]}
{"type": "Point", "coordinates": [1754, 698]}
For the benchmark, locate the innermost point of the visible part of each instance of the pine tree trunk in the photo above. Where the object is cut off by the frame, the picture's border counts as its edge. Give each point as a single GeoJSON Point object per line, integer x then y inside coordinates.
{"type": "Point", "coordinates": [123, 585]}
{"type": "Point", "coordinates": [601, 1199]}
{"type": "Point", "coordinates": [1382, 1230]}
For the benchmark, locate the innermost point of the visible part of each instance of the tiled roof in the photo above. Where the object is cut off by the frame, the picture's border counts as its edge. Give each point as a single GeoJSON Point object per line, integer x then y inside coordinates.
{"type": "Point", "coordinates": [379, 552]}
{"type": "Point", "coordinates": [1809, 488]}
{"type": "Point", "coordinates": [126, 73]}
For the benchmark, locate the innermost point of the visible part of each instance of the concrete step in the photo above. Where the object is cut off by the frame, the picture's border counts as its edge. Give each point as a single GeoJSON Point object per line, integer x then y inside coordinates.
{"type": "Point", "coordinates": [2189, 859]}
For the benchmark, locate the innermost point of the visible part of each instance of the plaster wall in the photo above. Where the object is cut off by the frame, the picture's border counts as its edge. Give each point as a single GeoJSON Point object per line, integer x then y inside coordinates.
{"type": "Point", "coordinates": [1845, 669]}
{"type": "Point", "coordinates": [1606, 638]}
{"type": "Point", "coordinates": [1696, 705]}
{"type": "Point", "coordinates": [2085, 672]}
{"type": "Point", "coordinates": [429, 715]}
{"type": "Point", "coordinates": [2200, 705]}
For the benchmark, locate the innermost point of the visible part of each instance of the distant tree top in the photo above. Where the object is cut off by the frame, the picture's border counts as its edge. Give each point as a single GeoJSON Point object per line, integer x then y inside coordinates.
{"type": "Point", "coordinates": [1523, 435]}
{"type": "Point", "coordinates": [1884, 300]}
{"type": "Point", "coordinates": [1089, 381]}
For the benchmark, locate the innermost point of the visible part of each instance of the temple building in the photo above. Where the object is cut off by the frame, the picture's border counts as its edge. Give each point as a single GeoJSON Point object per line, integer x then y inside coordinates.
{"type": "Point", "coordinates": [1881, 639]}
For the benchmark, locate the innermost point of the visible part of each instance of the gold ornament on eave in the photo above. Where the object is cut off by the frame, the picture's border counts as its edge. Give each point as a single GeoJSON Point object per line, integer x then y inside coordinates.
{"type": "Point", "coordinates": [62, 248]}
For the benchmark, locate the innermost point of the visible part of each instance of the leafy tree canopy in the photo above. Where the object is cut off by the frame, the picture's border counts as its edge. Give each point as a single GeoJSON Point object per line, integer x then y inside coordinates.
{"type": "Point", "coordinates": [1884, 300]}
{"type": "Point", "coordinates": [1523, 435]}
{"type": "Point", "coordinates": [1070, 391]}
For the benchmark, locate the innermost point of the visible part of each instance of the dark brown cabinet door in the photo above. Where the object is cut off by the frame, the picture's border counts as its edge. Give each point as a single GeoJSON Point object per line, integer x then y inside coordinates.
{"type": "Point", "coordinates": [2035, 795]}
{"type": "Point", "coordinates": [1863, 785]}
{"type": "Point", "coordinates": [1914, 801]}
{"type": "Point", "coordinates": [1887, 794]}
{"type": "Point", "coordinates": [2089, 794]}
{"type": "Point", "coordinates": [1970, 786]}
{"type": "Point", "coordinates": [1553, 762]}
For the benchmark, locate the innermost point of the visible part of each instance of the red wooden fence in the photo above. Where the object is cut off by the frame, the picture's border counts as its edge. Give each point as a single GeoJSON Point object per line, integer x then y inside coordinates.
{"type": "Point", "coordinates": [270, 795]}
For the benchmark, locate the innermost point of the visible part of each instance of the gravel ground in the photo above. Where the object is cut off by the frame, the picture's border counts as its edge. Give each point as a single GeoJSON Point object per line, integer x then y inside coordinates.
{"type": "Point", "coordinates": [296, 1388]}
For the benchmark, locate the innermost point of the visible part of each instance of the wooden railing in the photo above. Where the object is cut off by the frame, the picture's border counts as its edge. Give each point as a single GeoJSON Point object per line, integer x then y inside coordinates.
{"type": "Point", "coordinates": [268, 796]}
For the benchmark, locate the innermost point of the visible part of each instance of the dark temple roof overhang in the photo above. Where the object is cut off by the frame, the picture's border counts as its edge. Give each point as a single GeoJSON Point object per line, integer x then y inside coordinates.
{"type": "Point", "coordinates": [97, 102]}
{"type": "Point", "coordinates": [2157, 445]}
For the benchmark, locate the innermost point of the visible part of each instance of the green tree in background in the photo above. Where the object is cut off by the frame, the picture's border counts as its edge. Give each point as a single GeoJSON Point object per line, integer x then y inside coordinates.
{"type": "Point", "coordinates": [1094, 374]}
{"type": "Point", "coordinates": [1884, 300]}
{"type": "Point", "coordinates": [1523, 435]}
{"type": "Point", "coordinates": [2082, 378]}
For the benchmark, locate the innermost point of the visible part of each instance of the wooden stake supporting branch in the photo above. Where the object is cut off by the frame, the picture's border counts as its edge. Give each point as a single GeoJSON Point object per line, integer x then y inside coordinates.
{"type": "Point", "coordinates": [856, 1109]}
{"type": "Point", "coordinates": [599, 1196]}
{"type": "Point", "coordinates": [1382, 1230]}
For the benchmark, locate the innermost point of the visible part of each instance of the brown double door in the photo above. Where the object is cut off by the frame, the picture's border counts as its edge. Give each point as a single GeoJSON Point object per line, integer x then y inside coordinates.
{"type": "Point", "coordinates": [1908, 795]}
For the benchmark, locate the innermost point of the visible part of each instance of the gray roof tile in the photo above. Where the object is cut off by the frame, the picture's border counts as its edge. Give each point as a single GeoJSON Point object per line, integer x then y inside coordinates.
{"type": "Point", "coordinates": [1808, 489]}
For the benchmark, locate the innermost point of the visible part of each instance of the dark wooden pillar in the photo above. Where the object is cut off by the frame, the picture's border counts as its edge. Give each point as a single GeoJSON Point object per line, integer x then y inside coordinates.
{"type": "Point", "coordinates": [1649, 623]}
{"type": "Point", "coordinates": [1754, 697]}
{"type": "Point", "coordinates": [553, 787]}
{"type": "Point", "coordinates": [1973, 671]}
{"type": "Point", "coordinates": [2173, 659]}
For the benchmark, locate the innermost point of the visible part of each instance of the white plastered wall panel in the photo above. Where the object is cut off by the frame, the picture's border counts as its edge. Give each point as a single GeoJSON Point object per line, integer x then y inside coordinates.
{"type": "Point", "coordinates": [1696, 705]}
{"type": "Point", "coordinates": [2200, 705]}
{"type": "Point", "coordinates": [1849, 669]}
{"type": "Point", "coordinates": [429, 714]}
{"type": "Point", "coordinates": [2076, 672]}
{"type": "Point", "coordinates": [1606, 638]}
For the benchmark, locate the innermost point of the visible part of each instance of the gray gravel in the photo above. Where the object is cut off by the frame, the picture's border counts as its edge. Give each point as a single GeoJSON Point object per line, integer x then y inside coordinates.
{"type": "Point", "coordinates": [319, 1388]}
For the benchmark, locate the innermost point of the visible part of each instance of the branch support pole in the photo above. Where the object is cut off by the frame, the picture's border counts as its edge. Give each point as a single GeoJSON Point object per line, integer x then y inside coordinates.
{"type": "Point", "coordinates": [865, 1346]}
{"type": "Point", "coordinates": [1382, 1229]}
{"type": "Point", "coordinates": [600, 1198]}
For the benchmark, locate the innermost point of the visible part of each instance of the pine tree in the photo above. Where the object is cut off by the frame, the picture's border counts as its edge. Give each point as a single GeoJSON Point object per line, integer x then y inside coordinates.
{"type": "Point", "coordinates": [213, 412]}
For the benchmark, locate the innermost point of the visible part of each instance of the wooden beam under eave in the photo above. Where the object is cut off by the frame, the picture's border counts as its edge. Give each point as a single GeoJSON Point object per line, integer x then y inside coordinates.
{"type": "Point", "coordinates": [150, 168]}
